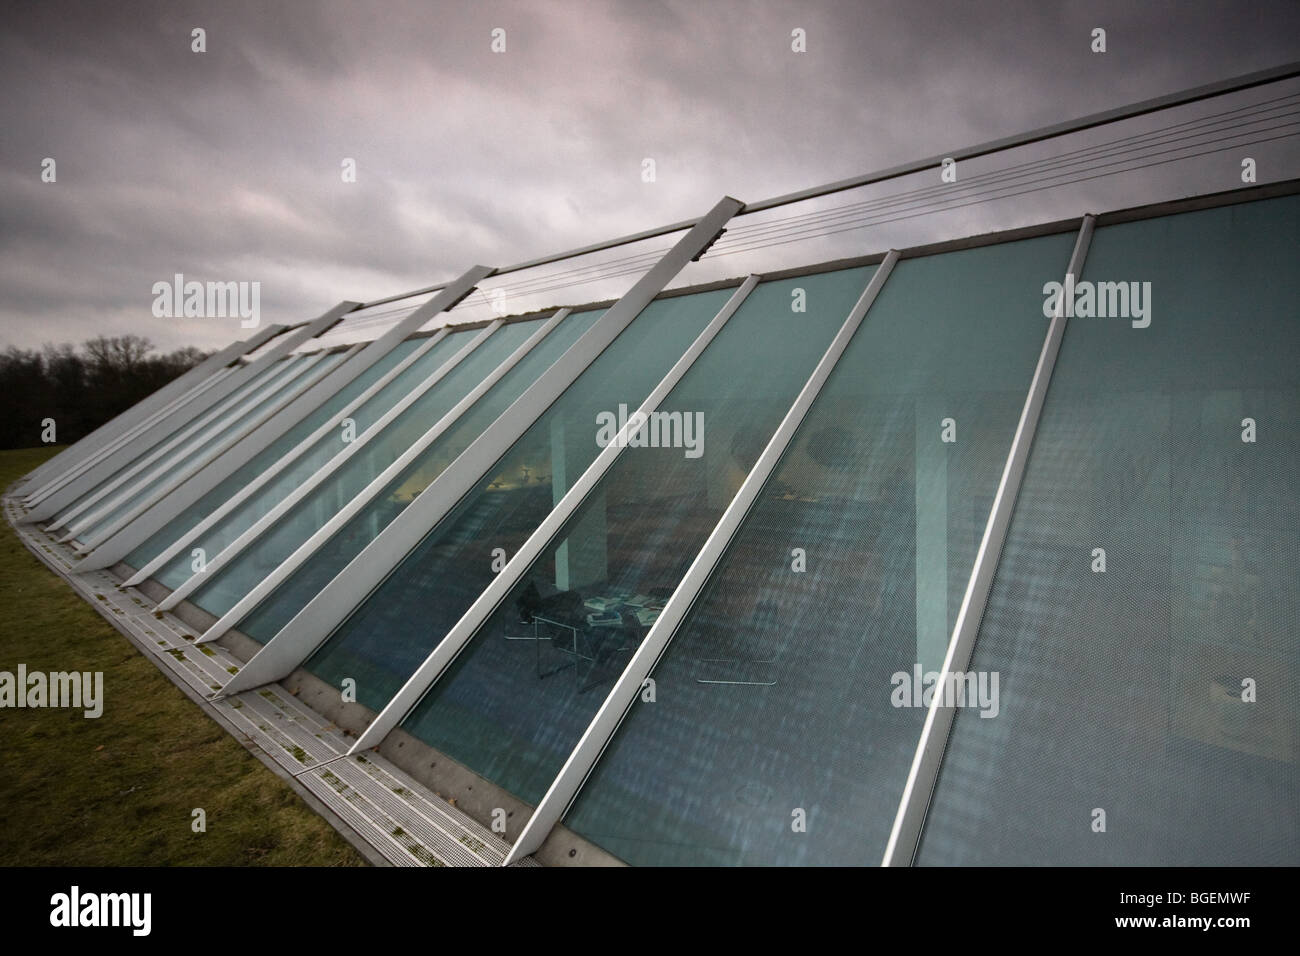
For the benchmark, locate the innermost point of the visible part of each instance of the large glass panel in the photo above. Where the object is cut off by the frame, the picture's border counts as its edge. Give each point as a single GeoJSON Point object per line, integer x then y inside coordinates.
{"type": "Point", "coordinates": [333, 555]}
{"type": "Point", "coordinates": [267, 457]}
{"type": "Point", "coordinates": [216, 538]}
{"type": "Point", "coordinates": [378, 646]}
{"type": "Point", "coordinates": [1153, 682]}
{"type": "Point", "coordinates": [512, 709]}
{"type": "Point", "coordinates": [229, 584]}
{"type": "Point", "coordinates": [774, 703]}
{"type": "Point", "coordinates": [200, 447]}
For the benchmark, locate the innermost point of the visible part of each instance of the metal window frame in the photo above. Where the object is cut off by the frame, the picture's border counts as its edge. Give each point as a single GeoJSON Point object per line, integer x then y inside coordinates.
{"type": "Point", "coordinates": [220, 447]}
{"type": "Point", "coordinates": [186, 494]}
{"type": "Point", "coordinates": [303, 552]}
{"type": "Point", "coordinates": [115, 427]}
{"type": "Point", "coordinates": [296, 641]}
{"type": "Point", "coordinates": [189, 440]}
{"type": "Point", "coordinates": [224, 410]}
{"type": "Point", "coordinates": [165, 556]}
{"type": "Point", "coordinates": [34, 496]}
{"type": "Point", "coordinates": [329, 468]}
{"type": "Point", "coordinates": [564, 788]}
{"type": "Point", "coordinates": [905, 835]}
{"type": "Point", "coordinates": [455, 640]}
{"type": "Point", "coordinates": [167, 426]}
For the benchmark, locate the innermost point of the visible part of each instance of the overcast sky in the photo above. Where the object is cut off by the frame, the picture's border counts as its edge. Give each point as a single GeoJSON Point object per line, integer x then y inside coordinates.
{"type": "Point", "coordinates": [226, 165]}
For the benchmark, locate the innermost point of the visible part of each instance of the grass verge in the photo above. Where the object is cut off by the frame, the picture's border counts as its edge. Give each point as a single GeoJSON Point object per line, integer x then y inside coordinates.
{"type": "Point", "coordinates": [120, 790]}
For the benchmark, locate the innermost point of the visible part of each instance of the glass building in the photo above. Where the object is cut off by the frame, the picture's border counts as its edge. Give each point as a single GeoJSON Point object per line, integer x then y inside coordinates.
{"type": "Point", "coordinates": [982, 552]}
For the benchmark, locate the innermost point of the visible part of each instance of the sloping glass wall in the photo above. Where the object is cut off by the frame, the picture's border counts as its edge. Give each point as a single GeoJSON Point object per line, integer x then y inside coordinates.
{"type": "Point", "coordinates": [202, 447]}
{"type": "Point", "coordinates": [511, 709]}
{"type": "Point", "coordinates": [1143, 616]}
{"type": "Point", "coordinates": [777, 733]}
{"type": "Point", "coordinates": [318, 456]}
{"type": "Point", "coordinates": [226, 586]}
{"type": "Point", "coordinates": [265, 459]}
{"type": "Point", "coordinates": [1134, 666]}
{"type": "Point", "coordinates": [280, 606]}
{"type": "Point", "coordinates": [382, 643]}
{"type": "Point", "coordinates": [158, 446]}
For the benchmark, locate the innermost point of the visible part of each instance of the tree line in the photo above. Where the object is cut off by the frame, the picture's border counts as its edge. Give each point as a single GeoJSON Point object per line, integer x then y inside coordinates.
{"type": "Point", "coordinates": [80, 388]}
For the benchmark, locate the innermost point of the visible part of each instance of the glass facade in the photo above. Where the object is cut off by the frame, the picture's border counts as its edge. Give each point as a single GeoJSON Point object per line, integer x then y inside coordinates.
{"type": "Point", "coordinates": [203, 446]}
{"type": "Point", "coordinates": [776, 694]}
{"type": "Point", "coordinates": [512, 709]}
{"type": "Point", "coordinates": [224, 410]}
{"type": "Point", "coordinates": [265, 459]}
{"type": "Point", "coordinates": [1131, 677]}
{"type": "Point", "coordinates": [1156, 690]}
{"type": "Point", "coordinates": [378, 646]}
{"type": "Point", "coordinates": [215, 539]}
{"type": "Point", "coordinates": [227, 585]}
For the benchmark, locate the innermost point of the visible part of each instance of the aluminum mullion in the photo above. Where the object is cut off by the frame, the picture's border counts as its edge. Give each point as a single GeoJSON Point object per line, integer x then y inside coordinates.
{"type": "Point", "coordinates": [322, 474]}
{"type": "Point", "coordinates": [222, 363]}
{"type": "Point", "coordinates": [433, 666]}
{"type": "Point", "coordinates": [201, 460]}
{"type": "Point", "coordinates": [58, 481]}
{"type": "Point", "coordinates": [169, 425]}
{"type": "Point", "coordinates": [224, 412]}
{"type": "Point", "coordinates": [121, 423]}
{"type": "Point", "coordinates": [186, 494]}
{"type": "Point", "coordinates": [601, 729]}
{"type": "Point", "coordinates": [304, 446]}
{"type": "Point", "coordinates": [216, 439]}
{"type": "Point", "coordinates": [308, 330]}
{"type": "Point", "coordinates": [296, 640]}
{"type": "Point", "coordinates": [182, 448]}
{"type": "Point", "coordinates": [375, 487]}
{"type": "Point", "coordinates": [125, 474]}
{"type": "Point", "coordinates": [915, 801]}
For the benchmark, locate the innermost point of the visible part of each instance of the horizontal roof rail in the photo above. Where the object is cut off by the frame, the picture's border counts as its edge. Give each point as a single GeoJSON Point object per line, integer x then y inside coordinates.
{"type": "Point", "coordinates": [1142, 107]}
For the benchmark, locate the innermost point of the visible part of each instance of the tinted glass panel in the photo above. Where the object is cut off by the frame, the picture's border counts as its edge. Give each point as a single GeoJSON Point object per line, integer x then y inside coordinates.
{"type": "Point", "coordinates": [271, 494]}
{"type": "Point", "coordinates": [236, 579]}
{"type": "Point", "coordinates": [1128, 689]}
{"type": "Point", "coordinates": [264, 459]}
{"type": "Point", "coordinates": [777, 693]}
{"type": "Point", "coordinates": [510, 708]}
{"type": "Point", "coordinates": [381, 644]}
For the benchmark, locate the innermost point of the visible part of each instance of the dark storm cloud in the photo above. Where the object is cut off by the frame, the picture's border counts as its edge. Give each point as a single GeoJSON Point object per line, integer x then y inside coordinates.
{"type": "Point", "coordinates": [226, 165]}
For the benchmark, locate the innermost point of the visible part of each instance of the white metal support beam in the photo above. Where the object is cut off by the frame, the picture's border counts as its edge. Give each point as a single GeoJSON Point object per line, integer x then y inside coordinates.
{"type": "Point", "coordinates": [73, 490]}
{"type": "Point", "coordinates": [120, 424]}
{"type": "Point", "coordinates": [186, 494]}
{"type": "Point", "coordinates": [910, 817]}
{"type": "Point", "coordinates": [247, 491]}
{"type": "Point", "coordinates": [427, 674]}
{"type": "Point", "coordinates": [381, 481]}
{"type": "Point", "coordinates": [625, 690]}
{"type": "Point", "coordinates": [297, 639]}
{"type": "Point", "coordinates": [322, 474]}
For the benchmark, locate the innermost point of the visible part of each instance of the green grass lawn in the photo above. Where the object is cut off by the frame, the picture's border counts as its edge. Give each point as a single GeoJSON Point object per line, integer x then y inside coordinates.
{"type": "Point", "coordinates": [119, 790]}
